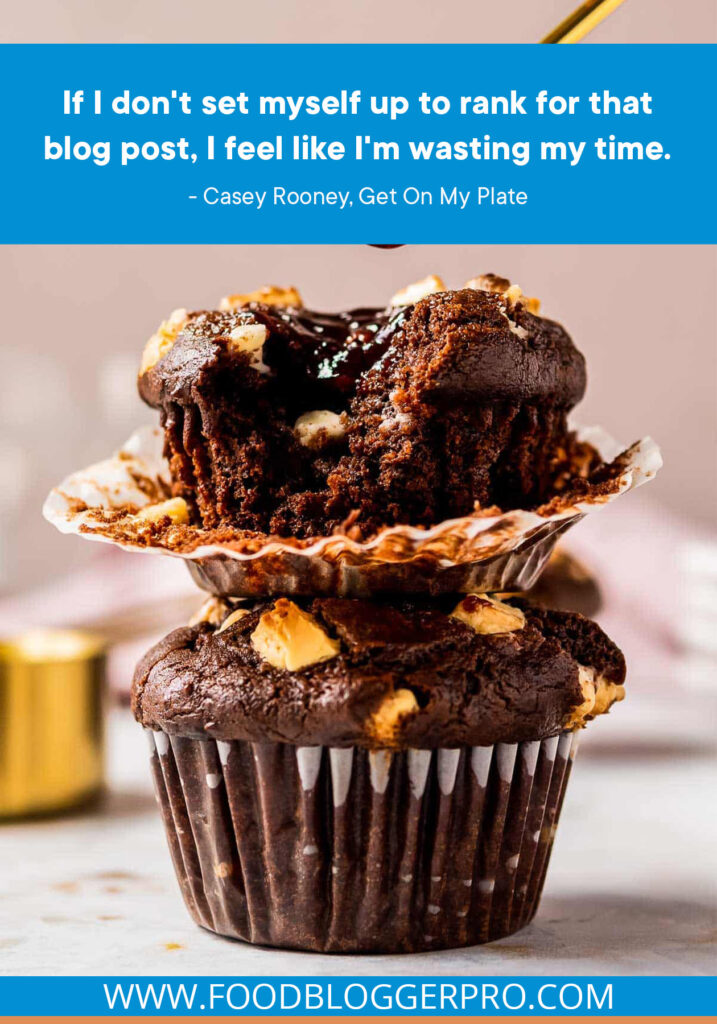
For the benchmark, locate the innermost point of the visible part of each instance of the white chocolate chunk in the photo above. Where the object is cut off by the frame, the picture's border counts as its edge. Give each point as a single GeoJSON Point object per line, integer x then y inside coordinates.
{"type": "Point", "coordinates": [512, 293]}
{"type": "Point", "coordinates": [488, 283]}
{"type": "Point", "coordinates": [487, 614]}
{"type": "Point", "coordinates": [606, 694]}
{"type": "Point", "coordinates": [162, 340]}
{"type": "Point", "coordinates": [517, 329]}
{"type": "Point", "coordinates": [231, 619]}
{"type": "Point", "coordinates": [314, 429]}
{"type": "Point", "coordinates": [212, 611]}
{"type": "Point", "coordinates": [599, 694]}
{"type": "Point", "coordinates": [586, 678]}
{"type": "Point", "coordinates": [269, 295]}
{"type": "Point", "coordinates": [418, 290]}
{"type": "Point", "coordinates": [248, 338]}
{"type": "Point", "coordinates": [393, 709]}
{"type": "Point", "coordinates": [289, 638]}
{"type": "Point", "coordinates": [175, 509]}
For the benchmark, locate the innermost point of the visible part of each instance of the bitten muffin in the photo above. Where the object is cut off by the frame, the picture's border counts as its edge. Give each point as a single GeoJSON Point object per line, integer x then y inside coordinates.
{"type": "Point", "coordinates": [347, 776]}
{"type": "Point", "coordinates": [290, 422]}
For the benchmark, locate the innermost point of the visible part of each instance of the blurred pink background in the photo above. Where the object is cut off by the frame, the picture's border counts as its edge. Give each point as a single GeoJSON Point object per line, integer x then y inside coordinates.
{"type": "Point", "coordinates": [370, 21]}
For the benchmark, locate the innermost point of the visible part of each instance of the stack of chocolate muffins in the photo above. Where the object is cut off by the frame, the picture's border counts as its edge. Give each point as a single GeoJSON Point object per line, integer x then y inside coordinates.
{"type": "Point", "coordinates": [366, 771]}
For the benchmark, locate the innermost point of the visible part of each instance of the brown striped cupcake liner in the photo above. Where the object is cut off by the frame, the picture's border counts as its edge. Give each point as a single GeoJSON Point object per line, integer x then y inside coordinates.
{"type": "Point", "coordinates": [348, 850]}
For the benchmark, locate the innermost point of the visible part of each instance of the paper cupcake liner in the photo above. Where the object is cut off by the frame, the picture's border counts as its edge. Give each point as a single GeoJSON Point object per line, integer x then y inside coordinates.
{"type": "Point", "coordinates": [355, 851]}
{"type": "Point", "coordinates": [481, 552]}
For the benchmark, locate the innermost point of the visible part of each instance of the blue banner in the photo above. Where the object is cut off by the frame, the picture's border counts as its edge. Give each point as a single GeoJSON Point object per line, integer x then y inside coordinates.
{"type": "Point", "coordinates": [359, 996]}
{"type": "Point", "coordinates": [357, 143]}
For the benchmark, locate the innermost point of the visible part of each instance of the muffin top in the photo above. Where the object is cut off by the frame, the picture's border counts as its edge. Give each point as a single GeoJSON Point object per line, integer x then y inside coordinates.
{"type": "Point", "coordinates": [477, 343]}
{"type": "Point", "coordinates": [390, 674]}
{"type": "Point", "coordinates": [293, 423]}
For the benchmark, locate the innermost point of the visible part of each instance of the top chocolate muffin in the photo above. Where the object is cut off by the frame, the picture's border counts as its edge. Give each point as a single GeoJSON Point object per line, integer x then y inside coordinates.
{"type": "Point", "coordinates": [290, 422]}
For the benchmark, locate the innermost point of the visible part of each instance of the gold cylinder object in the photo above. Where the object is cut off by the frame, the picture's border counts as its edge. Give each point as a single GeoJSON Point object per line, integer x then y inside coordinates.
{"type": "Point", "coordinates": [51, 721]}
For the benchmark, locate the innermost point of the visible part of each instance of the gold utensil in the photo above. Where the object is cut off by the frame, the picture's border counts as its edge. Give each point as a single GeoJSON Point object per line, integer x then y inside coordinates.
{"type": "Point", "coordinates": [583, 20]}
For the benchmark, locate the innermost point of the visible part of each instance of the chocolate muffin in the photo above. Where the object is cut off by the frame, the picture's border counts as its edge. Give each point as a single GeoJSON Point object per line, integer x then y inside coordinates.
{"type": "Point", "coordinates": [353, 776]}
{"type": "Point", "coordinates": [295, 423]}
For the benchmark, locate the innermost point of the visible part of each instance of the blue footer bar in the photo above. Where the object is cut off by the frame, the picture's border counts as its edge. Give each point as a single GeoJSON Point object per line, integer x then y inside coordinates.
{"type": "Point", "coordinates": [358, 996]}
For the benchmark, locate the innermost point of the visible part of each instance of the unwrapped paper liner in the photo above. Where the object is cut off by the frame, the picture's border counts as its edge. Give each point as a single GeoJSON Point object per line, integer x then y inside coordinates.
{"type": "Point", "coordinates": [481, 552]}
{"type": "Point", "coordinates": [356, 851]}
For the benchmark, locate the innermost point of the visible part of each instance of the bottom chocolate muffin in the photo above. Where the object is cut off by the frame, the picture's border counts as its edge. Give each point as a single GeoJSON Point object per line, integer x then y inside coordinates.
{"type": "Point", "coordinates": [345, 776]}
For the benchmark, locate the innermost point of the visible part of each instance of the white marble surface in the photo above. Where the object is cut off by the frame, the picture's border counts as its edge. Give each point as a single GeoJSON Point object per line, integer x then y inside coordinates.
{"type": "Point", "coordinates": [631, 887]}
